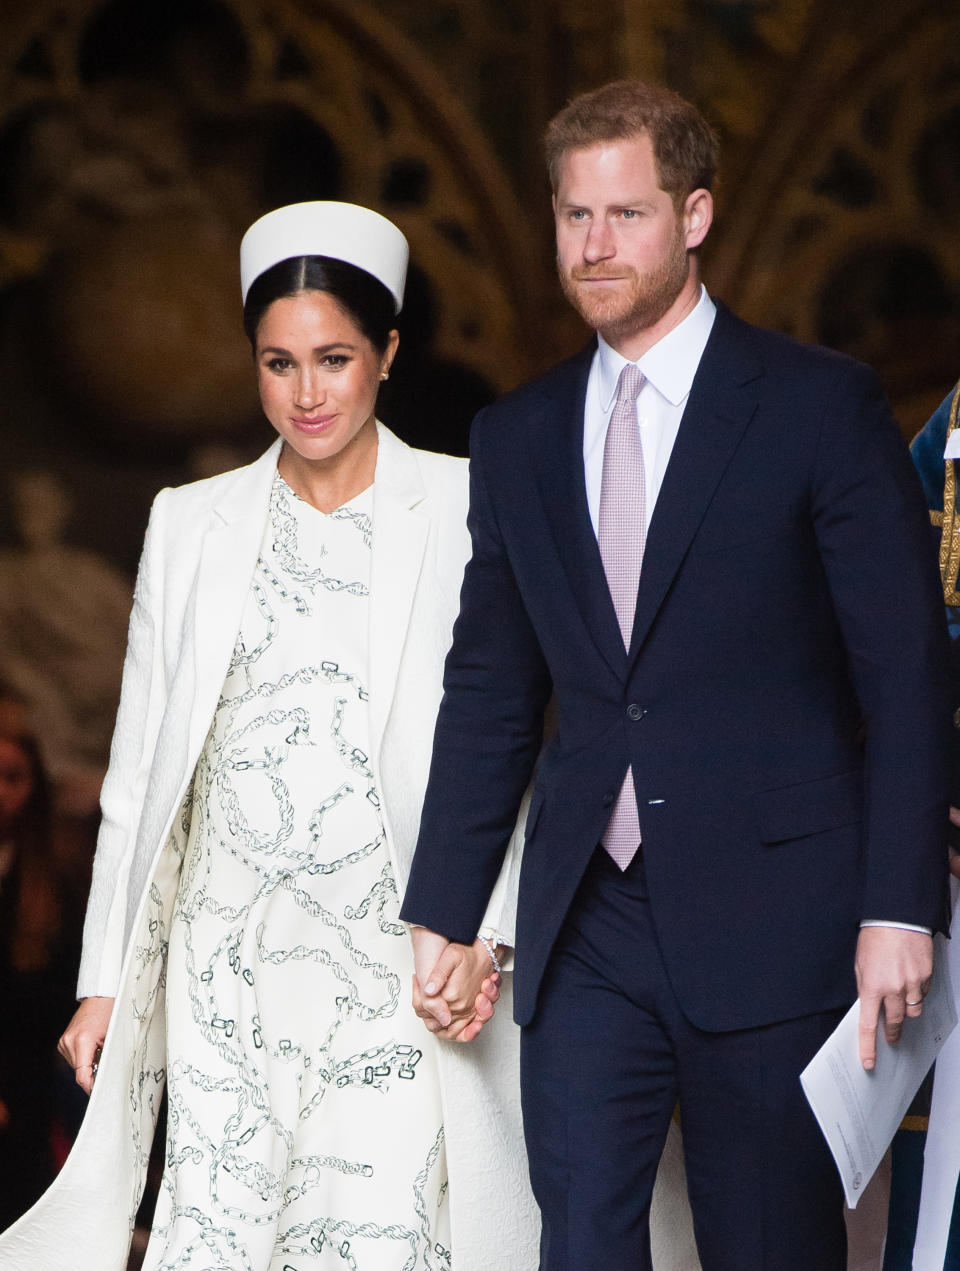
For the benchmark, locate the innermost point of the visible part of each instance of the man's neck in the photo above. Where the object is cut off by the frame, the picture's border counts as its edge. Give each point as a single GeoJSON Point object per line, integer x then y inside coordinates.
{"type": "Point", "coordinates": [632, 345]}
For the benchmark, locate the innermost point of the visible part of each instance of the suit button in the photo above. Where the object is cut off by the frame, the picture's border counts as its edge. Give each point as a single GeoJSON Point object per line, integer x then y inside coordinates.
{"type": "Point", "coordinates": [608, 799]}
{"type": "Point", "coordinates": [635, 712]}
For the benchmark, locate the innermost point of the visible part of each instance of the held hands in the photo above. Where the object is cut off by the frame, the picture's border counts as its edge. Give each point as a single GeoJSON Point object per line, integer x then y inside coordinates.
{"type": "Point", "coordinates": [81, 1042]}
{"type": "Point", "coordinates": [893, 969]}
{"type": "Point", "coordinates": [455, 988]}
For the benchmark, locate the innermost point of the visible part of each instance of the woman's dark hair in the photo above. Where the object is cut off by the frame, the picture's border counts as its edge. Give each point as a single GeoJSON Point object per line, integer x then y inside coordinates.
{"type": "Point", "coordinates": [367, 301]}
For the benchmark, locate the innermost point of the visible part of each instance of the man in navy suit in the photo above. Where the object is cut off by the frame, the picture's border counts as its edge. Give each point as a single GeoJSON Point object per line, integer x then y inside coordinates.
{"type": "Point", "coordinates": [706, 543]}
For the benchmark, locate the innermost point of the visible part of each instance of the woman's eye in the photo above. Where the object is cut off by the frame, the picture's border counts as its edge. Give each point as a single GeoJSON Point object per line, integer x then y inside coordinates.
{"type": "Point", "coordinates": [334, 361]}
{"type": "Point", "coordinates": [278, 365]}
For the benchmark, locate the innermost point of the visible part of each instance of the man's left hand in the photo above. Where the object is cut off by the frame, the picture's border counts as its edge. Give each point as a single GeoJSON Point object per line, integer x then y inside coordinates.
{"type": "Point", "coordinates": [455, 989]}
{"type": "Point", "coordinates": [893, 969]}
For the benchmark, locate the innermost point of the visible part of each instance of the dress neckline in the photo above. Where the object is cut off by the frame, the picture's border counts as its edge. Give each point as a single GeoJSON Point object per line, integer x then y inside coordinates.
{"type": "Point", "coordinates": [357, 503]}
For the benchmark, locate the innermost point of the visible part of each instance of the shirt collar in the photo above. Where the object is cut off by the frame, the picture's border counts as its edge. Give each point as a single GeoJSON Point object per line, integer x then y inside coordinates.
{"type": "Point", "coordinates": [672, 362]}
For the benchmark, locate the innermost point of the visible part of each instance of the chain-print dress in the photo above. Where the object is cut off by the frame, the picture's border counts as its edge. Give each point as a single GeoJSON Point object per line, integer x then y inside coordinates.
{"type": "Point", "coordinates": [304, 1123]}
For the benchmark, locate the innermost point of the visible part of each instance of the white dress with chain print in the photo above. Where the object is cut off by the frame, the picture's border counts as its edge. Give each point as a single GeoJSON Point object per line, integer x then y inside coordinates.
{"type": "Point", "coordinates": [304, 1124]}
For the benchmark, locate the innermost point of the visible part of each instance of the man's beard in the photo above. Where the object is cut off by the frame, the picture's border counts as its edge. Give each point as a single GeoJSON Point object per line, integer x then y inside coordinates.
{"type": "Point", "coordinates": [637, 304]}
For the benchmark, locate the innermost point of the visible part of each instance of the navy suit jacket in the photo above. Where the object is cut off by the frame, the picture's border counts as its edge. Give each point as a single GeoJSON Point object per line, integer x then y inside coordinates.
{"type": "Point", "coordinates": [782, 702]}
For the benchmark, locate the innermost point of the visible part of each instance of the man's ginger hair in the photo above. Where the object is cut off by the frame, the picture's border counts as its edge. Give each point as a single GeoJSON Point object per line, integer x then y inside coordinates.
{"type": "Point", "coordinates": [685, 147]}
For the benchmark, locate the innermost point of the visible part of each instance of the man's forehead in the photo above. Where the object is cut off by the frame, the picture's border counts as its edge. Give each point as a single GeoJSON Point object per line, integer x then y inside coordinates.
{"type": "Point", "coordinates": [608, 171]}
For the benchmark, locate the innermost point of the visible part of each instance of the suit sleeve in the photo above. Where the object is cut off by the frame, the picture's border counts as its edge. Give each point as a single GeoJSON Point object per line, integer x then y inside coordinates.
{"type": "Point", "coordinates": [488, 734]}
{"type": "Point", "coordinates": [874, 541]}
{"type": "Point", "coordinates": [131, 754]}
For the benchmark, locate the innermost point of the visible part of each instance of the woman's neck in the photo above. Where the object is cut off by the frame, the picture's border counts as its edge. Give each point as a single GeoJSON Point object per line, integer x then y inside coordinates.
{"type": "Point", "coordinates": [327, 484]}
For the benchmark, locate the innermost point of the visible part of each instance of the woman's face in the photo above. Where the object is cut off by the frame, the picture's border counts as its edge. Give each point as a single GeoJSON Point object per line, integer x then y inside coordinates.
{"type": "Point", "coordinates": [16, 782]}
{"type": "Point", "coordinates": [318, 374]}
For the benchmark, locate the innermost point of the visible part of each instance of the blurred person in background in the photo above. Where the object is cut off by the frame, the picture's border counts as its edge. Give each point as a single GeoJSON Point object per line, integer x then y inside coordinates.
{"type": "Point", "coordinates": [38, 950]}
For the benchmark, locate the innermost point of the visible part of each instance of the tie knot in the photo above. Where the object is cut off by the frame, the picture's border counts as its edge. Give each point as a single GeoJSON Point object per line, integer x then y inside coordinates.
{"type": "Point", "coordinates": [629, 384]}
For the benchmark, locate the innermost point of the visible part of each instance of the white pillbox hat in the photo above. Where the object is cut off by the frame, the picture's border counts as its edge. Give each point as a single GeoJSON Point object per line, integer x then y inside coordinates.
{"type": "Point", "coordinates": [344, 231]}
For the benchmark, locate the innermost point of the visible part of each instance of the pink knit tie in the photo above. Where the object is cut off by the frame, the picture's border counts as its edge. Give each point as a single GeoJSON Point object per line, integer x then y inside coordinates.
{"type": "Point", "coordinates": [621, 536]}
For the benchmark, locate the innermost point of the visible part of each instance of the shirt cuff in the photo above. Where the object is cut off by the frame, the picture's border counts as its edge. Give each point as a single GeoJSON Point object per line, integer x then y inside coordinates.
{"type": "Point", "coordinates": [897, 926]}
{"type": "Point", "coordinates": [494, 936]}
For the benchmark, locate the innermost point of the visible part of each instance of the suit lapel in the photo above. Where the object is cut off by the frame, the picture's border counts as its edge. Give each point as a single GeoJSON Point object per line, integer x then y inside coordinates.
{"type": "Point", "coordinates": [399, 541]}
{"type": "Point", "coordinates": [557, 458]}
{"type": "Point", "coordinates": [721, 404]}
{"type": "Point", "coordinates": [227, 561]}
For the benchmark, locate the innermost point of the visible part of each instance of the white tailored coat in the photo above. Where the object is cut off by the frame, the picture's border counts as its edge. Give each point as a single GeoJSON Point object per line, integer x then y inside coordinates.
{"type": "Point", "coordinates": [201, 548]}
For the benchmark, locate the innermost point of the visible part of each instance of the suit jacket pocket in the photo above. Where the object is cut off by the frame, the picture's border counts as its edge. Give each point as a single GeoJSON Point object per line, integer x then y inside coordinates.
{"type": "Point", "coordinates": [793, 812]}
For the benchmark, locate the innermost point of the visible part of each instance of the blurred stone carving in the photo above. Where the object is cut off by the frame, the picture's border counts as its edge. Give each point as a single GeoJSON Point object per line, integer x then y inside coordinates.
{"type": "Point", "coordinates": [63, 623]}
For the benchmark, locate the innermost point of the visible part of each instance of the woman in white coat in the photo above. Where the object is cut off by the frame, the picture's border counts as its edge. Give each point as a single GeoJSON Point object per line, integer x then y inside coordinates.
{"type": "Point", "coordinates": [261, 806]}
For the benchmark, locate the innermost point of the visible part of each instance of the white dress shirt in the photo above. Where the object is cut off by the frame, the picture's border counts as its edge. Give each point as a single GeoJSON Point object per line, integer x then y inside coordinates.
{"type": "Point", "coordinates": [669, 367]}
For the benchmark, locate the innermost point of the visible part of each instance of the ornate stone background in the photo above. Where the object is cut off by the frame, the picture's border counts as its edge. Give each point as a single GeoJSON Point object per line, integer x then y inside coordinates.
{"type": "Point", "coordinates": [138, 138]}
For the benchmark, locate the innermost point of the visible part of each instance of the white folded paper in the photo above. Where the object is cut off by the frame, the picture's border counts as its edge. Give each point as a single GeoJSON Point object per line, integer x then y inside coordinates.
{"type": "Point", "coordinates": [859, 1111]}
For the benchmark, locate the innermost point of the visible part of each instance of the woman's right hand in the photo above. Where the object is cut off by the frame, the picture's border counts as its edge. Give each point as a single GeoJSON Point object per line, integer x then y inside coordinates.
{"type": "Point", "coordinates": [465, 983]}
{"type": "Point", "coordinates": [83, 1037]}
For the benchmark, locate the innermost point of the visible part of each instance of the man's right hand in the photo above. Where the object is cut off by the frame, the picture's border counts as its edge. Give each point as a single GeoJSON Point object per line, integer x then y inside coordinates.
{"type": "Point", "coordinates": [84, 1036]}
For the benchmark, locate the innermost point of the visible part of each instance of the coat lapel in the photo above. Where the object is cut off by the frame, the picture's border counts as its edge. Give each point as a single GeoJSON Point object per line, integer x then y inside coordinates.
{"type": "Point", "coordinates": [227, 560]}
{"type": "Point", "coordinates": [721, 404]}
{"type": "Point", "coordinates": [399, 540]}
{"type": "Point", "coordinates": [557, 458]}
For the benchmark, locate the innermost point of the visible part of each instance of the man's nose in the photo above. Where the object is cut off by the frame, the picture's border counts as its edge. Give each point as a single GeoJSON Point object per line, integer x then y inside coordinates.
{"type": "Point", "coordinates": [599, 243]}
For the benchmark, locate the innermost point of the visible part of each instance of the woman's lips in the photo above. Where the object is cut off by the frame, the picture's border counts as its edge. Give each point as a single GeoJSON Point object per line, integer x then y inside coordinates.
{"type": "Point", "coordinates": [313, 423]}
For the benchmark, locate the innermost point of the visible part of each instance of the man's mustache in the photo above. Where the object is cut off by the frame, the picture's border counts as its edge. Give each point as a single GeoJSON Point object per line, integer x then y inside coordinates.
{"type": "Point", "coordinates": [594, 275]}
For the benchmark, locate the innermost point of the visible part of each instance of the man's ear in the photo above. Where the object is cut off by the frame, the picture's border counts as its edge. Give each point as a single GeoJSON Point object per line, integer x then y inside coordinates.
{"type": "Point", "coordinates": [697, 218]}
